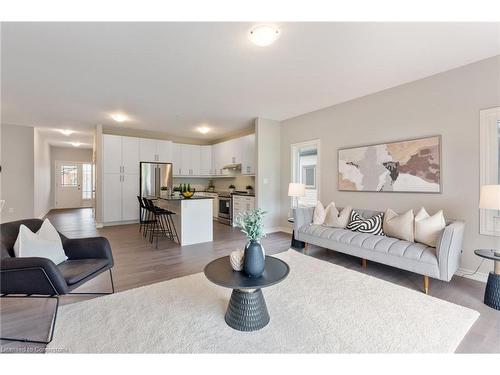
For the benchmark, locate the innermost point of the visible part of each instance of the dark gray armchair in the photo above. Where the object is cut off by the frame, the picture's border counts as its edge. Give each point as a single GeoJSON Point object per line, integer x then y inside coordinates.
{"type": "Point", "coordinates": [35, 276]}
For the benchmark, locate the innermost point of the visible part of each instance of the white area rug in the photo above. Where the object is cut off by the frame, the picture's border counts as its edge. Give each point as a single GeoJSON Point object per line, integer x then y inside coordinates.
{"type": "Point", "coordinates": [320, 307]}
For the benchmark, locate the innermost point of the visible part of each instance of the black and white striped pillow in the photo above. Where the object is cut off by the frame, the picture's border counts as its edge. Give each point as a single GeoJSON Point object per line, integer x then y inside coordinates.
{"type": "Point", "coordinates": [372, 225]}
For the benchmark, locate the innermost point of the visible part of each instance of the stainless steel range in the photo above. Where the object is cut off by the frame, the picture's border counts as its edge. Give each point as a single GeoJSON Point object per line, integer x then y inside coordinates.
{"type": "Point", "coordinates": [225, 209]}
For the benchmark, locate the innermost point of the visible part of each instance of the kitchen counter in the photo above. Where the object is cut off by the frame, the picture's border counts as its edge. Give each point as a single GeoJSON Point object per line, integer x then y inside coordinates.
{"type": "Point", "coordinates": [182, 198]}
{"type": "Point", "coordinates": [193, 218]}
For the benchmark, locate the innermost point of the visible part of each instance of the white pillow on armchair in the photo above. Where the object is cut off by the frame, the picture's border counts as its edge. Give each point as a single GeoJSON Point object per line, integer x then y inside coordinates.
{"type": "Point", "coordinates": [46, 243]}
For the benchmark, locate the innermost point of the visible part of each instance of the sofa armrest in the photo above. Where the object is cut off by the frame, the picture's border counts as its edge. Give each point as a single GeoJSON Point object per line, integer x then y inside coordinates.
{"type": "Point", "coordinates": [449, 249]}
{"type": "Point", "coordinates": [88, 248]}
{"type": "Point", "coordinates": [302, 216]}
{"type": "Point", "coordinates": [31, 275]}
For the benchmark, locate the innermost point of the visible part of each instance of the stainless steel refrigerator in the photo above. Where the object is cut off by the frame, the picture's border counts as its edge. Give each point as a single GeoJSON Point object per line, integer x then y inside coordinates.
{"type": "Point", "coordinates": [154, 177]}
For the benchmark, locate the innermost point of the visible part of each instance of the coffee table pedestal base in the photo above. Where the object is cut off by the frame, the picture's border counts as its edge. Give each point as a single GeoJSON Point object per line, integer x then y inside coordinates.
{"type": "Point", "coordinates": [247, 310]}
{"type": "Point", "coordinates": [492, 292]}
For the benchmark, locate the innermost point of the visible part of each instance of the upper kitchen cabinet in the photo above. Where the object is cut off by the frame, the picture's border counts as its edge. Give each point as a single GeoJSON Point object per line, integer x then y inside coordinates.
{"type": "Point", "coordinates": [120, 154]}
{"type": "Point", "coordinates": [156, 150]}
{"type": "Point", "coordinates": [190, 160]}
{"type": "Point", "coordinates": [177, 159]}
{"type": "Point", "coordinates": [248, 160]}
{"type": "Point", "coordinates": [206, 168]}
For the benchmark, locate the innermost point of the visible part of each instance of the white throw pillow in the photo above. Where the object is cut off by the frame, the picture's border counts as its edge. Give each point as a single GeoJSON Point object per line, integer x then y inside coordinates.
{"type": "Point", "coordinates": [46, 243]}
{"type": "Point", "coordinates": [428, 228]}
{"type": "Point", "coordinates": [336, 219]}
{"type": "Point", "coordinates": [319, 214]}
{"type": "Point", "coordinates": [399, 226]}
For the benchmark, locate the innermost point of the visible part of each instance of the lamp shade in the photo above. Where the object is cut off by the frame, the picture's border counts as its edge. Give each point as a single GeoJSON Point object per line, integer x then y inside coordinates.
{"type": "Point", "coordinates": [296, 190]}
{"type": "Point", "coordinates": [490, 197]}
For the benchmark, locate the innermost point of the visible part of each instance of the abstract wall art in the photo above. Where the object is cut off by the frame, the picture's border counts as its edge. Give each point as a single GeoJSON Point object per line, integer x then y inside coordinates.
{"type": "Point", "coordinates": [406, 166]}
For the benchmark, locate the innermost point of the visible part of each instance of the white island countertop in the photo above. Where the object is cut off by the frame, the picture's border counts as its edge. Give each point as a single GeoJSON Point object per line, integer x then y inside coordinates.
{"type": "Point", "coordinates": [193, 218]}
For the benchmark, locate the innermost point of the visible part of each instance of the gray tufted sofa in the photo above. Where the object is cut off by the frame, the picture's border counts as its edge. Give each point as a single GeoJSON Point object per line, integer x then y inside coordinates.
{"type": "Point", "coordinates": [440, 262]}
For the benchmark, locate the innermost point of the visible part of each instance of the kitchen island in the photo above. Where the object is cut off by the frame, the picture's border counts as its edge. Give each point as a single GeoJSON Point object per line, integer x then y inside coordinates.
{"type": "Point", "coordinates": [193, 218]}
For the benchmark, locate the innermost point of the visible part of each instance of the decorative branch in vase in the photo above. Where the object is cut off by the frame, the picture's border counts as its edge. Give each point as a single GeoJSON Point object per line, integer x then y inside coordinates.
{"type": "Point", "coordinates": [252, 225]}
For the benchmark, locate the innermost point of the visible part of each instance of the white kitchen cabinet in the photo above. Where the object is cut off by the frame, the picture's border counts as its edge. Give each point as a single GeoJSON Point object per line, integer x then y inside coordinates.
{"type": "Point", "coordinates": [241, 204]}
{"type": "Point", "coordinates": [164, 151]}
{"type": "Point", "coordinates": [130, 155]}
{"type": "Point", "coordinates": [120, 178]}
{"type": "Point", "coordinates": [152, 150]}
{"type": "Point", "coordinates": [185, 160]}
{"type": "Point", "coordinates": [111, 153]}
{"type": "Point", "coordinates": [177, 159]}
{"type": "Point", "coordinates": [206, 161]}
{"type": "Point", "coordinates": [148, 149]}
{"type": "Point", "coordinates": [130, 191]}
{"type": "Point", "coordinates": [111, 197]}
{"type": "Point", "coordinates": [195, 151]}
{"type": "Point", "coordinates": [248, 159]}
{"type": "Point", "coordinates": [120, 154]}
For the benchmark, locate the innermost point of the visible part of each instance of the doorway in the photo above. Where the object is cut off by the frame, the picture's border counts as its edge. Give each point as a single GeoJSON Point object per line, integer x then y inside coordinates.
{"type": "Point", "coordinates": [74, 184]}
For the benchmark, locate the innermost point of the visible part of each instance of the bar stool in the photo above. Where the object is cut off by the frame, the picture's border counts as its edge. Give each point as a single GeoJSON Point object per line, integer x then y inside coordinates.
{"type": "Point", "coordinates": [161, 224]}
{"type": "Point", "coordinates": [144, 216]}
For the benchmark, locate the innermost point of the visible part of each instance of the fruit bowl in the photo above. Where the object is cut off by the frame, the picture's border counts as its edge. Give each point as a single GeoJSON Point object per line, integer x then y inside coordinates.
{"type": "Point", "coordinates": [187, 194]}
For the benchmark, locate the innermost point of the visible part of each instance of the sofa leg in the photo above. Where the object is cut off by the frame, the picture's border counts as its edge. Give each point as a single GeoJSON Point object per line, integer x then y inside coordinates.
{"type": "Point", "coordinates": [363, 263]}
{"type": "Point", "coordinates": [306, 248]}
{"type": "Point", "coordinates": [426, 284]}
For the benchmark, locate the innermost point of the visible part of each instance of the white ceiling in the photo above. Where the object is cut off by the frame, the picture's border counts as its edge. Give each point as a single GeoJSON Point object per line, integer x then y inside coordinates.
{"type": "Point", "coordinates": [173, 77]}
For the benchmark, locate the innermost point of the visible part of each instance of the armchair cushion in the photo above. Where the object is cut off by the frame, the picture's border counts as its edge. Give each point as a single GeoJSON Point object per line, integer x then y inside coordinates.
{"type": "Point", "coordinates": [76, 270]}
{"type": "Point", "coordinates": [31, 275]}
{"type": "Point", "coordinates": [88, 248]}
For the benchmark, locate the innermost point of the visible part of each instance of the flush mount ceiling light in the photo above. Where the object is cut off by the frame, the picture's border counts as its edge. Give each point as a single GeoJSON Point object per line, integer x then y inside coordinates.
{"type": "Point", "coordinates": [66, 132]}
{"type": "Point", "coordinates": [119, 117]}
{"type": "Point", "coordinates": [203, 129]}
{"type": "Point", "coordinates": [264, 35]}
{"type": "Point", "coordinates": [76, 144]}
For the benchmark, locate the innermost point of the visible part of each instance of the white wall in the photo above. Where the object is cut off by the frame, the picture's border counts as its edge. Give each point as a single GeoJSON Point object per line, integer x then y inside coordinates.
{"type": "Point", "coordinates": [66, 154]}
{"type": "Point", "coordinates": [267, 135]}
{"type": "Point", "coordinates": [447, 104]}
{"type": "Point", "coordinates": [42, 173]}
{"type": "Point", "coordinates": [17, 172]}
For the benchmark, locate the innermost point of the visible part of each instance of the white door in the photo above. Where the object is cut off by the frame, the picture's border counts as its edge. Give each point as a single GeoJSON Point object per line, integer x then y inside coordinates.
{"type": "Point", "coordinates": [112, 197]}
{"type": "Point", "coordinates": [130, 191]}
{"type": "Point", "coordinates": [112, 153]}
{"type": "Point", "coordinates": [148, 149]}
{"type": "Point", "coordinates": [74, 185]}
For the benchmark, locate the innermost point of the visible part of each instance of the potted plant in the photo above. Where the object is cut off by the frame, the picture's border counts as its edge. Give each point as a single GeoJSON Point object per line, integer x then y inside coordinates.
{"type": "Point", "coordinates": [231, 188]}
{"type": "Point", "coordinates": [252, 225]}
{"type": "Point", "coordinates": [249, 189]}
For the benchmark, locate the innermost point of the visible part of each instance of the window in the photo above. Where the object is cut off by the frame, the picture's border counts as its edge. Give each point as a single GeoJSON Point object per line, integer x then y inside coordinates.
{"type": "Point", "coordinates": [489, 134]}
{"type": "Point", "coordinates": [305, 169]}
{"type": "Point", "coordinates": [69, 176]}
{"type": "Point", "coordinates": [87, 181]}
{"type": "Point", "coordinates": [309, 176]}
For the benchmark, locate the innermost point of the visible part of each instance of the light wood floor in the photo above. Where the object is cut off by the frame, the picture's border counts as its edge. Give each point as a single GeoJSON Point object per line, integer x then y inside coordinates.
{"type": "Point", "coordinates": [138, 263]}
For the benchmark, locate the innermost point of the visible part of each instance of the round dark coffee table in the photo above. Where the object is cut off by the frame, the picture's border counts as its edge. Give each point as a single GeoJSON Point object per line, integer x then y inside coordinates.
{"type": "Point", "coordinates": [247, 310]}
{"type": "Point", "coordinates": [492, 291]}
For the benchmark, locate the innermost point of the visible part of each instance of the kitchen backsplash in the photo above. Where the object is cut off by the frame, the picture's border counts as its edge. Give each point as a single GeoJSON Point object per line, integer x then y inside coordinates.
{"type": "Point", "coordinates": [221, 184]}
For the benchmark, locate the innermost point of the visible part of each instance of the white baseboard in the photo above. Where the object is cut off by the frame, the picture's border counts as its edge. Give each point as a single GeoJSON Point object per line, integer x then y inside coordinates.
{"type": "Point", "coordinates": [479, 276]}
{"type": "Point", "coordinates": [277, 229]}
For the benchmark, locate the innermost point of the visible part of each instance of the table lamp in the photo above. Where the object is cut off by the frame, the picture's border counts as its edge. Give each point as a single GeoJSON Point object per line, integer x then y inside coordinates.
{"type": "Point", "coordinates": [490, 200]}
{"type": "Point", "coordinates": [296, 190]}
